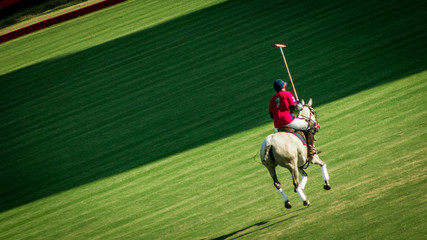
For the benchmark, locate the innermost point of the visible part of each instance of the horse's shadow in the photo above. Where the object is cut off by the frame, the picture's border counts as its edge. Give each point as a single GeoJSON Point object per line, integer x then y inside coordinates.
{"type": "Point", "coordinates": [259, 226]}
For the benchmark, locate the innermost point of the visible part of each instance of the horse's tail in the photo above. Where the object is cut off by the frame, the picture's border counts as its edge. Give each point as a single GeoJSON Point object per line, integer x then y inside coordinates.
{"type": "Point", "coordinates": [265, 149]}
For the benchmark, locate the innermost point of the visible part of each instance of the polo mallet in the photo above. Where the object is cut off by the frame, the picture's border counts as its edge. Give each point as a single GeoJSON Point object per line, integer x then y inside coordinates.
{"type": "Point", "coordinates": [281, 46]}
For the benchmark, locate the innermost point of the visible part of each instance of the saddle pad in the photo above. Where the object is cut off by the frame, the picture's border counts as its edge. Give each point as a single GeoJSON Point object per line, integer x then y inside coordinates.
{"type": "Point", "coordinates": [300, 137]}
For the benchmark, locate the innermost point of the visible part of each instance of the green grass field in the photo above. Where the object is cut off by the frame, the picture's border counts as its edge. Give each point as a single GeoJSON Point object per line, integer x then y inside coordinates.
{"type": "Point", "coordinates": [141, 121]}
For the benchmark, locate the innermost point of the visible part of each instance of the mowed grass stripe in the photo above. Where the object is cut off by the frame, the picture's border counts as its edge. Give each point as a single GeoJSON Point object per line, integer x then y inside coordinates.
{"type": "Point", "coordinates": [111, 120]}
{"type": "Point", "coordinates": [375, 113]}
{"type": "Point", "coordinates": [367, 98]}
{"type": "Point", "coordinates": [338, 185]}
{"type": "Point", "coordinates": [263, 174]}
{"type": "Point", "coordinates": [94, 29]}
{"type": "Point", "coordinates": [83, 89]}
{"type": "Point", "coordinates": [92, 85]}
{"type": "Point", "coordinates": [373, 186]}
{"type": "Point", "coordinates": [122, 193]}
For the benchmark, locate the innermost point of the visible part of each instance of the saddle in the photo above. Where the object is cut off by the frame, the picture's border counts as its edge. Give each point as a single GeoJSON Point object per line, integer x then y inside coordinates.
{"type": "Point", "coordinates": [300, 134]}
{"type": "Point", "coordinates": [307, 137]}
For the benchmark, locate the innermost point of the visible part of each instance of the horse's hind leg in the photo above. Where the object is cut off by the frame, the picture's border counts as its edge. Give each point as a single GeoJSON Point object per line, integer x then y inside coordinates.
{"type": "Point", "coordinates": [304, 178]}
{"type": "Point", "coordinates": [279, 188]}
{"type": "Point", "coordinates": [268, 162]}
{"type": "Point", "coordinates": [318, 161]}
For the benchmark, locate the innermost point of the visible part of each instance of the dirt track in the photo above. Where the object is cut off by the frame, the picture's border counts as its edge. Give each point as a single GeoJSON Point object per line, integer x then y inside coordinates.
{"type": "Point", "coordinates": [57, 17]}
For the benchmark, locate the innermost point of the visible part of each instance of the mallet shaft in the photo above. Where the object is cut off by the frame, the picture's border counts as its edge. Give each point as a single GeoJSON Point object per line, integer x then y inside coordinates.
{"type": "Point", "coordinates": [281, 46]}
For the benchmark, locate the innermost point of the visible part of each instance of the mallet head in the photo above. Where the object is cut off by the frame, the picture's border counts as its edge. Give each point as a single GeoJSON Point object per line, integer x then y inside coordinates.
{"type": "Point", "coordinates": [280, 45]}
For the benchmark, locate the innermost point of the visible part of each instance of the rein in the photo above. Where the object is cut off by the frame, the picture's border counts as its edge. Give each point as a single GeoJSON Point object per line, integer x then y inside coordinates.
{"type": "Point", "coordinates": [310, 118]}
{"type": "Point", "coordinates": [305, 166]}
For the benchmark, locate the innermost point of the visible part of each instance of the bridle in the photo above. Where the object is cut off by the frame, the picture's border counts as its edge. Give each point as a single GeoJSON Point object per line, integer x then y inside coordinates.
{"type": "Point", "coordinates": [312, 117]}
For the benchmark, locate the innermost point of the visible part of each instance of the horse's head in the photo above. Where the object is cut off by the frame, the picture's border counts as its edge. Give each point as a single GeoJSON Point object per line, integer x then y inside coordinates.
{"type": "Point", "coordinates": [307, 113]}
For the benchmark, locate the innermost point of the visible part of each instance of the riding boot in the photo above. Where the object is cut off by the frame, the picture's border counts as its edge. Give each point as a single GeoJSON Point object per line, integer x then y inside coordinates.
{"type": "Point", "coordinates": [312, 129]}
{"type": "Point", "coordinates": [311, 150]}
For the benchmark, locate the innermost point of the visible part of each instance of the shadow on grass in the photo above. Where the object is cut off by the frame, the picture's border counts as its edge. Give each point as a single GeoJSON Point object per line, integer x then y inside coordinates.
{"type": "Point", "coordinates": [239, 231]}
{"type": "Point", "coordinates": [73, 120]}
{"type": "Point", "coordinates": [261, 225]}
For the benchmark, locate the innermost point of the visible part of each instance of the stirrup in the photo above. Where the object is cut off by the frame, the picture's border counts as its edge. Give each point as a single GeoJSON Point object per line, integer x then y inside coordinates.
{"type": "Point", "coordinates": [313, 152]}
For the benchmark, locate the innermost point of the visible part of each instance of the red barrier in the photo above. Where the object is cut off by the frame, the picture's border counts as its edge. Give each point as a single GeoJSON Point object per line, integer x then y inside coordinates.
{"type": "Point", "coordinates": [6, 3]}
{"type": "Point", "coordinates": [58, 19]}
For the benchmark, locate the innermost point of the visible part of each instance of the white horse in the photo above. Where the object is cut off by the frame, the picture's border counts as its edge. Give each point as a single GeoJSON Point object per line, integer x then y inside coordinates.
{"type": "Point", "coordinates": [288, 151]}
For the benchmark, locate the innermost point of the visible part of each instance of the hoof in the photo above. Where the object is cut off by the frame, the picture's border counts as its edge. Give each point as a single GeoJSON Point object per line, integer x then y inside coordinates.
{"type": "Point", "coordinates": [288, 204]}
{"type": "Point", "coordinates": [327, 187]}
{"type": "Point", "coordinates": [307, 203]}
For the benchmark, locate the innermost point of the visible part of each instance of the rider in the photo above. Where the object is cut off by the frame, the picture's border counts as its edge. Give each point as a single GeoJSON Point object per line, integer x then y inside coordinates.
{"type": "Point", "coordinates": [282, 106]}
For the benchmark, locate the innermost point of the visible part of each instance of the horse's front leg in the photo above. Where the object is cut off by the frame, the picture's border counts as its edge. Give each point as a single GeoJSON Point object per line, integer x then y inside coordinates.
{"type": "Point", "coordinates": [279, 187]}
{"type": "Point", "coordinates": [318, 161]}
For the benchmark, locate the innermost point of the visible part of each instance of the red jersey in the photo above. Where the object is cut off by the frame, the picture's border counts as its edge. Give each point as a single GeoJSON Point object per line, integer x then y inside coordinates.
{"type": "Point", "coordinates": [279, 107]}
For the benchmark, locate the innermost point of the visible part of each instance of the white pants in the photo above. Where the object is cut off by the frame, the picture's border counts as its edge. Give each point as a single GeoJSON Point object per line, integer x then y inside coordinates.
{"type": "Point", "coordinates": [298, 124]}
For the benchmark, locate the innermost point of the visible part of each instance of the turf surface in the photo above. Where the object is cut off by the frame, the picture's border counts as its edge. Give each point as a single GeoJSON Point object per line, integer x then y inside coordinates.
{"type": "Point", "coordinates": [140, 121]}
